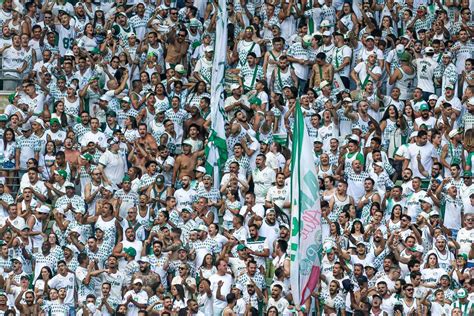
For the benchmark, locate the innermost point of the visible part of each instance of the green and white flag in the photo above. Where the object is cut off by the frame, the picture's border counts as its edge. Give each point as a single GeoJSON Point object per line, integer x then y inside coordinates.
{"type": "Point", "coordinates": [305, 240]}
{"type": "Point", "coordinates": [216, 149]}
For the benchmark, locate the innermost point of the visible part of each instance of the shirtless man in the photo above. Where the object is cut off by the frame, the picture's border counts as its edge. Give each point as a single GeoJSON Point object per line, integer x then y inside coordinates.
{"type": "Point", "coordinates": [231, 301]}
{"type": "Point", "coordinates": [177, 48]}
{"type": "Point", "coordinates": [321, 71]}
{"type": "Point", "coordinates": [30, 308]}
{"type": "Point", "coordinates": [72, 155]}
{"type": "Point", "coordinates": [146, 140]}
{"type": "Point", "coordinates": [186, 162]}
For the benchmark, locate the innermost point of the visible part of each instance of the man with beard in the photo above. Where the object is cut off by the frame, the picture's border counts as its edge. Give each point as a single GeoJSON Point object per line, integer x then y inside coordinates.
{"type": "Point", "coordinates": [283, 75]}
{"type": "Point", "coordinates": [277, 194]}
{"type": "Point", "coordinates": [258, 247]}
{"type": "Point", "coordinates": [221, 283]}
{"type": "Point", "coordinates": [269, 228]}
{"type": "Point", "coordinates": [425, 118]}
{"type": "Point", "coordinates": [277, 299]}
{"type": "Point", "coordinates": [185, 196]}
{"type": "Point", "coordinates": [115, 277]}
{"type": "Point", "coordinates": [137, 298]}
{"type": "Point", "coordinates": [130, 241]}
{"type": "Point", "coordinates": [263, 177]}
{"type": "Point", "coordinates": [281, 258]}
{"type": "Point", "coordinates": [127, 197]}
{"type": "Point", "coordinates": [29, 307]}
{"type": "Point", "coordinates": [421, 148]}
{"type": "Point", "coordinates": [151, 279]}
{"type": "Point", "coordinates": [186, 162]}
{"type": "Point", "coordinates": [333, 300]}
{"type": "Point", "coordinates": [252, 274]}
{"type": "Point", "coordinates": [158, 261]}
{"type": "Point", "coordinates": [207, 190]}
{"type": "Point", "coordinates": [106, 303]}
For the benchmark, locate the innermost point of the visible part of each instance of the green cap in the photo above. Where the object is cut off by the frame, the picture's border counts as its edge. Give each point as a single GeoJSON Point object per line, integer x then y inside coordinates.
{"type": "Point", "coordinates": [96, 51]}
{"type": "Point", "coordinates": [61, 173]}
{"type": "Point", "coordinates": [54, 120]}
{"type": "Point", "coordinates": [3, 118]}
{"type": "Point", "coordinates": [241, 247]}
{"type": "Point", "coordinates": [87, 156]}
{"type": "Point", "coordinates": [126, 178]}
{"type": "Point", "coordinates": [424, 107]}
{"type": "Point", "coordinates": [130, 251]}
{"type": "Point", "coordinates": [463, 255]}
{"type": "Point", "coordinates": [12, 97]}
{"type": "Point", "coordinates": [255, 100]}
{"type": "Point", "coordinates": [405, 56]}
{"type": "Point", "coordinates": [467, 174]}
{"type": "Point", "coordinates": [111, 113]}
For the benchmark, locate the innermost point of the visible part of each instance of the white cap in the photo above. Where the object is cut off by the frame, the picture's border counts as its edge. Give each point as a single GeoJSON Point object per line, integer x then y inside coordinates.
{"type": "Point", "coordinates": [307, 38]}
{"type": "Point", "coordinates": [471, 100]}
{"type": "Point", "coordinates": [400, 48]}
{"type": "Point", "coordinates": [326, 33]}
{"type": "Point", "coordinates": [414, 134]}
{"type": "Point", "coordinates": [378, 163]}
{"type": "Point", "coordinates": [323, 84]}
{"type": "Point", "coordinates": [209, 48]}
{"type": "Point", "coordinates": [201, 169]}
{"type": "Point", "coordinates": [427, 200]}
{"type": "Point", "coordinates": [144, 259]}
{"type": "Point", "coordinates": [429, 49]}
{"type": "Point", "coordinates": [454, 132]}
{"type": "Point", "coordinates": [347, 99]}
{"type": "Point", "coordinates": [433, 97]}
{"type": "Point", "coordinates": [136, 281]}
{"type": "Point", "coordinates": [325, 23]}
{"type": "Point", "coordinates": [234, 86]}
{"type": "Point", "coordinates": [126, 99]}
{"type": "Point", "coordinates": [43, 209]}
{"type": "Point", "coordinates": [370, 37]}
{"type": "Point", "coordinates": [179, 68]}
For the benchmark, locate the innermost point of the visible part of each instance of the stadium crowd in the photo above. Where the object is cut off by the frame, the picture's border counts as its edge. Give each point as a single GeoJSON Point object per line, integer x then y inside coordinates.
{"type": "Point", "coordinates": [106, 204]}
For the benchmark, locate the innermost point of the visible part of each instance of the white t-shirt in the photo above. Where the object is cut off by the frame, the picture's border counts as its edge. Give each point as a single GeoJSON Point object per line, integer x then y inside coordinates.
{"type": "Point", "coordinates": [427, 153]}
{"type": "Point", "coordinates": [68, 282]}
{"type": "Point", "coordinates": [114, 166]}
{"type": "Point", "coordinates": [140, 297]}
{"type": "Point", "coordinates": [184, 198]}
{"type": "Point", "coordinates": [225, 289]}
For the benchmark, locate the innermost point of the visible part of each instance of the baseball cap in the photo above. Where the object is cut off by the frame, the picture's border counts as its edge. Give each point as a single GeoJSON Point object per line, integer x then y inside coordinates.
{"type": "Point", "coordinates": [130, 251]}
{"type": "Point", "coordinates": [454, 132]}
{"type": "Point", "coordinates": [209, 48]}
{"type": "Point", "coordinates": [433, 97]}
{"type": "Point", "coordinates": [461, 293]}
{"type": "Point", "coordinates": [370, 37]}
{"type": "Point", "coordinates": [323, 84]}
{"type": "Point", "coordinates": [69, 185]}
{"type": "Point", "coordinates": [61, 173]}
{"type": "Point", "coordinates": [234, 86]}
{"type": "Point", "coordinates": [43, 209]}
{"type": "Point", "coordinates": [201, 169]}
{"type": "Point", "coordinates": [179, 69]}
{"type": "Point", "coordinates": [429, 49]}
{"type": "Point", "coordinates": [427, 200]}
{"type": "Point", "coordinates": [144, 259]}
{"type": "Point", "coordinates": [424, 107]}
{"type": "Point", "coordinates": [138, 281]}
{"type": "Point", "coordinates": [125, 99]}
{"type": "Point", "coordinates": [3, 118]}
{"type": "Point", "coordinates": [241, 247]}
{"type": "Point", "coordinates": [26, 127]}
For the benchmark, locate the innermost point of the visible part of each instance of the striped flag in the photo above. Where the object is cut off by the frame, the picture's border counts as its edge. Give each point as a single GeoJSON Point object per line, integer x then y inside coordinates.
{"type": "Point", "coordinates": [305, 241]}
{"type": "Point", "coordinates": [216, 149]}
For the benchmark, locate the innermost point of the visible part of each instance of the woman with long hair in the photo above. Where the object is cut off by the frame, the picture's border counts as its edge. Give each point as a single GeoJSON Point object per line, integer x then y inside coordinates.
{"type": "Point", "coordinates": [131, 129]}
{"type": "Point", "coordinates": [7, 150]}
{"type": "Point", "coordinates": [347, 20]}
{"type": "Point", "coordinates": [197, 92]}
{"type": "Point", "coordinates": [357, 233]}
{"type": "Point", "coordinates": [329, 185]}
{"type": "Point", "coordinates": [207, 267]}
{"type": "Point", "coordinates": [88, 41]}
{"type": "Point", "coordinates": [388, 125]}
{"type": "Point", "coordinates": [431, 271]}
{"type": "Point", "coordinates": [40, 287]}
{"type": "Point", "coordinates": [162, 102]}
{"type": "Point", "coordinates": [393, 224]}
{"type": "Point", "coordinates": [177, 292]}
{"type": "Point", "coordinates": [230, 208]}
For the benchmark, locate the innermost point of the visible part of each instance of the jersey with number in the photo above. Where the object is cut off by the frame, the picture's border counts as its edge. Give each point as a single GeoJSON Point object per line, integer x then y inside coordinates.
{"type": "Point", "coordinates": [65, 39]}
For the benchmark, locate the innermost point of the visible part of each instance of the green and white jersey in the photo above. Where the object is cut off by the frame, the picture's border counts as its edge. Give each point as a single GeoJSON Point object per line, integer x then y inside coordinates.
{"type": "Point", "coordinates": [258, 245]}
